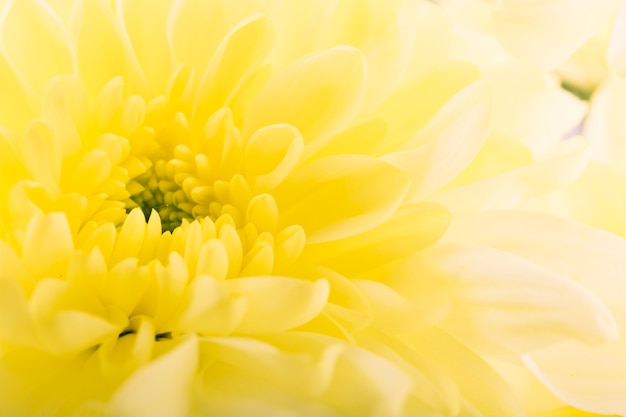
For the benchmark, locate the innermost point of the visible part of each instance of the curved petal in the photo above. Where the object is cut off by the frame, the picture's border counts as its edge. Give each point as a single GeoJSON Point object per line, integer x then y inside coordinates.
{"type": "Point", "coordinates": [412, 107]}
{"type": "Point", "coordinates": [318, 94]}
{"type": "Point", "coordinates": [237, 57]}
{"type": "Point", "coordinates": [15, 110]}
{"type": "Point", "coordinates": [161, 387]}
{"type": "Point", "coordinates": [104, 50]}
{"type": "Point", "coordinates": [546, 32]}
{"type": "Point", "coordinates": [411, 229]}
{"type": "Point", "coordinates": [190, 20]}
{"type": "Point", "coordinates": [47, 245]}
{"type": "Point", "coordinates": [491, 397]}
{"type": "Point", "coordinates": [616, 53]}
{"type": "Point", "coordinates": [32, 34]}
{"type": "Point", "coordinates": [145, 23]}
{"type": "Point", "coordinates": [503, 302]}
{"type": "Point", "coordinates": [294, 302]}
{"type": "Point", "coordinates": [591, 379]}
{"type": "Point", "coordinates": [340, 196]}
{"type": "Point", "coordinates": [513, 187]}
{"type": "Point", "coordinates": [451, 140]}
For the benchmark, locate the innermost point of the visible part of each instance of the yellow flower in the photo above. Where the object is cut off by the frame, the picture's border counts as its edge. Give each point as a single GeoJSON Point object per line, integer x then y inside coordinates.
{"type": "Point", "coordinates": [223, 208]}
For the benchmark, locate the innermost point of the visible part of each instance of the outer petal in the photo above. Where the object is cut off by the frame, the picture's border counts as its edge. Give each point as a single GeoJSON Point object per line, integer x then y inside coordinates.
{"type": "Point", "coordinates": [616, 53]}
{"type": "Point", "coordinates": [546, 32]}
{"type": "Point", "coordinates": [144, 21]}
{"type": "Point", "coordinates": [318, 94]}
{"type": "Point", "coordinates": [276, 303]}
{"type": "Point", "coordinates": [47, 245]}
{"type": "Point", "coordinates": [160, 388]}
{"type": "Point", "coordinates": [411, 229]}
{"type": "Point", "coordinates": [339, 196]}
{"type": "Point", "coordinates": [590, 379]}
{"type": "Point", "coordinates": [506, 303]}
{"type": "Point", "coordinates": [32, 34]}
{"type": "Point", "coordinates": [14, 107]}
{"type": "Point", "coordinates": [236, 58]}
{"type": "Point", "coordinates": [515, 186]}
{"type": "Point", "coordinates": [104, 50]}
{"type": "Point", "coordinates": [491, 397]}
{"type": "Point", "coordinates": [452, 139]}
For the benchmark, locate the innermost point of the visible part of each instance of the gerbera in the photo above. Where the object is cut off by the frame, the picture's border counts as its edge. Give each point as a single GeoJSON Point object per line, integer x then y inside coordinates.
{"type": "Point", "coordinates": [218, 208]}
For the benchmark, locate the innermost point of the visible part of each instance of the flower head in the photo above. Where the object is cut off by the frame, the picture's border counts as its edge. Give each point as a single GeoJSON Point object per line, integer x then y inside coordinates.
{"type": "Point", "coordinates": [221, 208]}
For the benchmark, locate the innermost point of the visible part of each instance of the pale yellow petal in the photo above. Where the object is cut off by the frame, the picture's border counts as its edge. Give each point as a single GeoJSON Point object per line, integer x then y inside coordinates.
{"type": "Point", "coordinates": [64, 104]}
{"type": "Point", "coordinates": [104, 51]}
{"type": "Point", "coordinates": [145, 24]}
{"type": "Point", "coordinates": [364, 191]}
{"type": "Point", "coordinates": [546, 32]}
{"type": "Point", "coordinates": [515, 186]}
{"type": "Point", "coordinates": [409, 230]}
{"type": "Point", "coordinates": [32, 34]}
{"type": "Point", "coordinates": [491, 396]}
{"type": "Point", "coordinates": [271, 154]}
{"type": "Point", "coordinates": [449, 142]}
{"type": "Point", "coordinates": [589, 378]}
{"type": "Point", "coordinates": [237, 57]}
{"type": "Point", "coordinates": [318, 94]}
{"type": "Point", "coordinates": [47, 245]}
{"type": "Point", "coordinates": [161, 387]}
{"type": "Point", "coordinates": [592, 380]}
{"type": "Point", "coordinates": [410, 108]}
{"type": "Point", "coordinates": [295, 302]}
{"type": "Point", "coordinates": [616, 53]}
{"type": "Point", "coordinates": [503, 302]}
{"type": "Point", "coordinates": [208, 308]}
{"type": "Point", "coordinates": [190, 20]}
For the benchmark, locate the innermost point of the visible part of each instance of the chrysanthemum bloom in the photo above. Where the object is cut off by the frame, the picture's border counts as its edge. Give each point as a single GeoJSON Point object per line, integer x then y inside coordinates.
{"type": "Point", "coordinates": [218, 208]}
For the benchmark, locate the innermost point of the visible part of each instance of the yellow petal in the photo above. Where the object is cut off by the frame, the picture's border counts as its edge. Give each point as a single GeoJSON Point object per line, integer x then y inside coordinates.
{"type": "Point", "coordinates": [545, 33]}
{"type": "Point", "coordinates": [103, 50]}
{"type": "Point", "coordinates": [452, 139]}
{"type": "Point", "coordinates": [492, 397]}
{"type": "Point", "coordinates": [189, 21]}
{"type": "Point", "coordinates": [339, 196]}
{"type": "Point", "coordinates": [616, 53]}
{"type": "Point", "coordinates": [47, 245]}
{"type": "Point", "coordinates": [410, 108]}
{"type": "Point", "coordinates": [504, 302]}
{"type": "Point", "coordinates": [161, 387]}
{"type": "Point", "coordinates": [409, 230]}
{"type": "Point", "coordinates": [145, 23]}
{"type": "Point", "coordinates": [15, 321]}
{"type": "Point", "coordinates": [513, 187]}
{"type": "Point", "coordinates": [318, 94]}
{"type": "Point", "coordinates": [32, 34]}
{"type": "Point", "coordinates": [302, 372]}
{"type": "Point", "coordinates": [237, 57]}
{"type": "Point", "coordinates": [271, 154]}
{"type": "Point", "coordinates": [14, 107]}
{"type": "Point", "coordinates": [130, 239]}
{"type": "Point", "coordinates": [590, 378]}
{"type": "Point", "coordinates": [425, 292]}
{"type": "Point", "coordinates": [208, 308]}
{"type": "Point", "coordinates": [65, 331]}
{"type": "Point", "coordinates": [42, 153]}
{"type": "Point", "coordinates": [64, 104]}
{"type": "Point", "coordinates": [294, 303]}
{"type": "Point", "coordinates": [364, 138]}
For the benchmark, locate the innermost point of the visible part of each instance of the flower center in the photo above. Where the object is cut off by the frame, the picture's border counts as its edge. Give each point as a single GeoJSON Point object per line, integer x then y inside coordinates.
{"type": "Point", "coordinates": [156, 190]}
